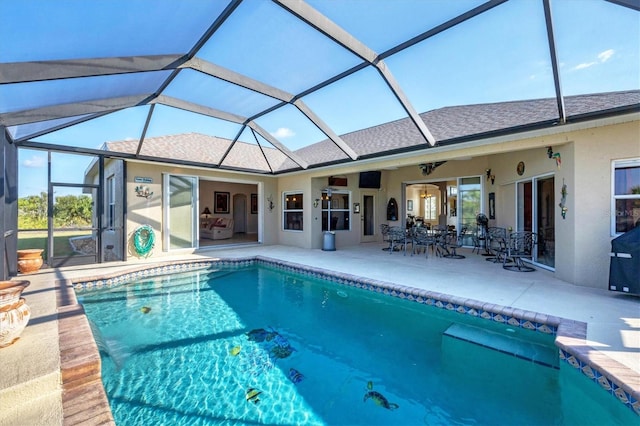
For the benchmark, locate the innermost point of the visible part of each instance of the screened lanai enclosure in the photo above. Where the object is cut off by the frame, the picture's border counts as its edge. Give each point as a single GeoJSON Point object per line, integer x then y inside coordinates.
{"type": "Point", "coordinates": [275, 87]}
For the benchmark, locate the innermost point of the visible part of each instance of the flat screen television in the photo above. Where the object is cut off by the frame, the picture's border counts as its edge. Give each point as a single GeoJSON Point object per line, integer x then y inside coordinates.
{"type": "Point", "coordinates": [370, 180]}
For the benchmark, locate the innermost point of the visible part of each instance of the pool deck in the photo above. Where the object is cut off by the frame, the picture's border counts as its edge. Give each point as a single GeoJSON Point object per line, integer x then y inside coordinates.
{"type": "Point", "coordinates": [51, 369]}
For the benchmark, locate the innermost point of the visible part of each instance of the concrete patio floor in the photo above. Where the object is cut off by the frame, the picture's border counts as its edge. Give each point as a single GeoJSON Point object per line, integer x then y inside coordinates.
{"type": "Point", "coordinates": [30, 379]}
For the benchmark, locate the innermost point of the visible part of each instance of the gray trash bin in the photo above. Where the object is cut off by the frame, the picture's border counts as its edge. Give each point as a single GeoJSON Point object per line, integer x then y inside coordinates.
{"type": "Point", "coordinates": [329, 241]}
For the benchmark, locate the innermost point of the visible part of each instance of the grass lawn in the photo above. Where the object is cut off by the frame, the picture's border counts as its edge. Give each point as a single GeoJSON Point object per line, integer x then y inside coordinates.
{"type": "Point", "coordinates": [38, 240]}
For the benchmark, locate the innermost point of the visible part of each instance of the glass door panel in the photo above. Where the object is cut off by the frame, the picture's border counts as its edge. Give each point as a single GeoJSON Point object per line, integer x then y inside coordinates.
{"type": "Point", "coordinates": [469, 205]}
{"type": "Point", "coordinates": [525, 206]}
{"type": "Point", "coordinates": [73, 225]}
{"type": "Point", "coordinates": [368, 217]}
{"type": "Point", "coordinates": [182, 203]}
{"type": "Point", "coordinates": [536, 213]}
{"type": "Point", "coordinates": [545, 220]}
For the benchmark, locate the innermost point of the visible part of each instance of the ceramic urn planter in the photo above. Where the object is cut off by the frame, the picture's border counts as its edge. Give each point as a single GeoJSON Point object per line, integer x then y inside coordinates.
{"type": "Point", "coordinates": [29, 260]}
{"type": "Point", "coordinates": [14, 312]}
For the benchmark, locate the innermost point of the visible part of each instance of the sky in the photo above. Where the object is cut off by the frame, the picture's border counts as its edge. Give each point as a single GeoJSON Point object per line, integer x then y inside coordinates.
{"type": "Point", "coordinates": [499, 56]}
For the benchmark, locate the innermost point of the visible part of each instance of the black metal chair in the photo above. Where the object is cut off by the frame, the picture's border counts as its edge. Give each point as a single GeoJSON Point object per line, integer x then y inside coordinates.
{"type": "Point", "coordinates": [451, 242]}
{"type": "Point", "coordinates": [384, 230]}
{"type": "Point", "coordinates": [397, 237]}
{"type": "Point", "coordinates": [422, 237]}
{"type": "Point", "coordinates": [482, 222]}
{"type": "Point", "coordinates": [439, 233]}
{"type": "Point", "coordinates": [496, 243]}
{"type": "Point", "coordinates": [520, 246]}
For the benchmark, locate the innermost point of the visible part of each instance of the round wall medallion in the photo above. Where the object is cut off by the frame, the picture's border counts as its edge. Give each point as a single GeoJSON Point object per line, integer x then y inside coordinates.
{"type": "Point", "coordinates": [520, 168]}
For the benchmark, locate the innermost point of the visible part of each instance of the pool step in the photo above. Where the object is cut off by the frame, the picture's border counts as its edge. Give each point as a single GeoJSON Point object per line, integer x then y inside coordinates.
{"type": "Point", "coordinates": [540, 354]}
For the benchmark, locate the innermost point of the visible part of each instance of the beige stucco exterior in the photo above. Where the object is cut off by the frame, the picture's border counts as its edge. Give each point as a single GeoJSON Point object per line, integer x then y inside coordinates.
{"type": "Point", "coordinates": [582, 239]}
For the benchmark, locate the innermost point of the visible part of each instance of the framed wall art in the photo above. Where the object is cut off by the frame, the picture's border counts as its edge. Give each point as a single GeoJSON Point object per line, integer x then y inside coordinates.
{"type": "Point", "coordinates": [221, 202]}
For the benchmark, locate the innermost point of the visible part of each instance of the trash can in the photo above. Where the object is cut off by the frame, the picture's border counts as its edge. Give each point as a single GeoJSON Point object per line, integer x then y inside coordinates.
{"type": "Point", "coordinates": [624, 269]}
{"type": "Point", "coordinates": [329, 241]}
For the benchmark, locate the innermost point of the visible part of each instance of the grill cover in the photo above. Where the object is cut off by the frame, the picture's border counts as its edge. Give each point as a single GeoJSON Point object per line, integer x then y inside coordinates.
{"type": "Point", "coordinates": [624, 271]}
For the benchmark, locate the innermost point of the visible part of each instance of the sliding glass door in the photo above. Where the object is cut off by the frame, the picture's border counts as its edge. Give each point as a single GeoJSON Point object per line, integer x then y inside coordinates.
{"type": "Point", "coordinates": [536, 213]}
{"type": "Point", "coordinates": [469, 205]}
{"type": "Point", "coordinates": [180, 215]}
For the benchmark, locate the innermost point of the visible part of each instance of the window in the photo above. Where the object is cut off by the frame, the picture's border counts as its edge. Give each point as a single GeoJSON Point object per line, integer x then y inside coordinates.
{"type": "Point", "coordinates": [340, 209]}
{"type": "Point", "coordinates": [292, 211]}
{"type": "Point", "coordinates": [430, 207]}
{"type": "Point", "coordinates": [111, 201]}
{"type": "Point", "coordinates": [469, 196]}
{"type": "Point", "coordinates": [626, 195]}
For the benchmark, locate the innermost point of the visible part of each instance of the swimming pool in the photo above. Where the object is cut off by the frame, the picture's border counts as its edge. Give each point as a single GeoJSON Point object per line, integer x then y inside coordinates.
{"type": "Point", "coordinates": [259, 345]}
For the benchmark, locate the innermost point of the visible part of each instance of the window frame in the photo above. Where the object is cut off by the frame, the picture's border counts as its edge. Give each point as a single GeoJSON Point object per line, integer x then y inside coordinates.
{"type": "Point", "coordinates": [348, 209]}
{"type": "Point", "coordinates": [286, 210]}
{"type": "Point", "coordinates": [111, 202]}
{"type": "Point", "coordinates": [615, 165]}
{"type": "Point", "coordinates": [431, 206]}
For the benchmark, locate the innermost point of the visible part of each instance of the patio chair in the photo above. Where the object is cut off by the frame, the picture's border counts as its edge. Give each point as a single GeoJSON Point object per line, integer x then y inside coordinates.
{"type": "Point", "coordinates": [384, 230]}
{"type": "Point", "coordinates": [482, 223]}
{"type": "Point", "coordinates": [451, 242]}
{"type": "Point", "coordinates": [496, 243]}
{"type": "Point", "coordinates": [422, 237]}
{"type": "Point", "coordinates": [397, 237]}
{"type": "Point", "coordinates": [519, 247]}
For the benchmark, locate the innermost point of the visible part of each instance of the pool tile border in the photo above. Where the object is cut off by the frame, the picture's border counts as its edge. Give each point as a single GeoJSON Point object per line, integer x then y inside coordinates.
{"type": "Point", "coordinates": [611, 376]}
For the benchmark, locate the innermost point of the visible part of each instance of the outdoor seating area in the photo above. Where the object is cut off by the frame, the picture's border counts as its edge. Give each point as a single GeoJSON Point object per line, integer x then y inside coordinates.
{"type": "Point", "coordinates": [519, 247]}
{"type": "Point", "coordinates": [513, 250]}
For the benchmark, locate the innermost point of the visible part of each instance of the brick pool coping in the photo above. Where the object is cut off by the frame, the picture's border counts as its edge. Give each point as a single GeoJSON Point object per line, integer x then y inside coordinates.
{"type": "Point", "coordinates": [84, 398]}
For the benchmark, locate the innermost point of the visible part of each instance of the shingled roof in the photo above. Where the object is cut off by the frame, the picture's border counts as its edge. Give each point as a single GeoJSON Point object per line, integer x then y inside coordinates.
{"type": "Point", "coordinates": [449, 125]}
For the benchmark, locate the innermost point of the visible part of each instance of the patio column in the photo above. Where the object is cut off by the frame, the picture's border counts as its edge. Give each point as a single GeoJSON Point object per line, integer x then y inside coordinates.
{"type": "Point", "coordinates": [9, 204]}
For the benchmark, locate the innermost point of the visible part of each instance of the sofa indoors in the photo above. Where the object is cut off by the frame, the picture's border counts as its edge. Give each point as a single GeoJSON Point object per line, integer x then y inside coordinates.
{"type": "Point", "coordinates": [216, 228]}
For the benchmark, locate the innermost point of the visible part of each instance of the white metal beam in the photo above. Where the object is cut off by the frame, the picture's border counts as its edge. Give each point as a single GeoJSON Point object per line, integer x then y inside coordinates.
{"type": "Point", "coordinates": [273, 141]}
{"type": "Point", "coordinates": [327, 27]}
{"type": "Point", "coordinates": [326, 129]}
{"type": "Point", "coordinates": [70, 110]}
{"type": "Point", "coordinates": [237, 79]}
{"type": "Point", "coordinates": [21, 72]}
{"type": "Point", "coordinates": [246, 82]}
{"type": "Point", "coordinates": [197, 108]}
{"type": "Point", "coordinates": [212, 112]}
{"type": "Point", "coordinates": [404, 101]}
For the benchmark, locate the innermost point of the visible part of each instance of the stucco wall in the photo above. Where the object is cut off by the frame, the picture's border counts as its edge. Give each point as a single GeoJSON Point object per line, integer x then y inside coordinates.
{"type": "Point", "coordinates": [582, 238]}
{"type": "Point", "coordinates": [297, 183]}
{"type": "Point", "coordinates": [148, 211]}
{"type": "Point", "coordinates": [591, 196]}
{"type": "Point", "coordinates": [312, 184]}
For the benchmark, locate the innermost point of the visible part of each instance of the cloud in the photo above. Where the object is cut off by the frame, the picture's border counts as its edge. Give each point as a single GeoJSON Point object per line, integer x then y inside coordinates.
{"type": "Point", "coordinates": [603, 57]}
{"type": "Point", "coordinates": [584, 65]}
{"type": "Point", "coordinates": [34, 162]}
{"type": "Point", "coordinates": [606, 55]}
{"type": "Point", "coordinates": [283, 132]}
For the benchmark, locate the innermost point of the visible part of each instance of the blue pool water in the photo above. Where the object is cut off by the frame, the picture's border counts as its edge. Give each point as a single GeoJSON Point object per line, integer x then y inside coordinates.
{"type": "Point", "coordinates": [263, 346]}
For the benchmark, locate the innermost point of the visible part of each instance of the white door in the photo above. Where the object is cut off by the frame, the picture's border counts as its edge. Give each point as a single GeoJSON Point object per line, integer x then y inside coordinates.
{"type": "Point", "coordinates": [180, 222]}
